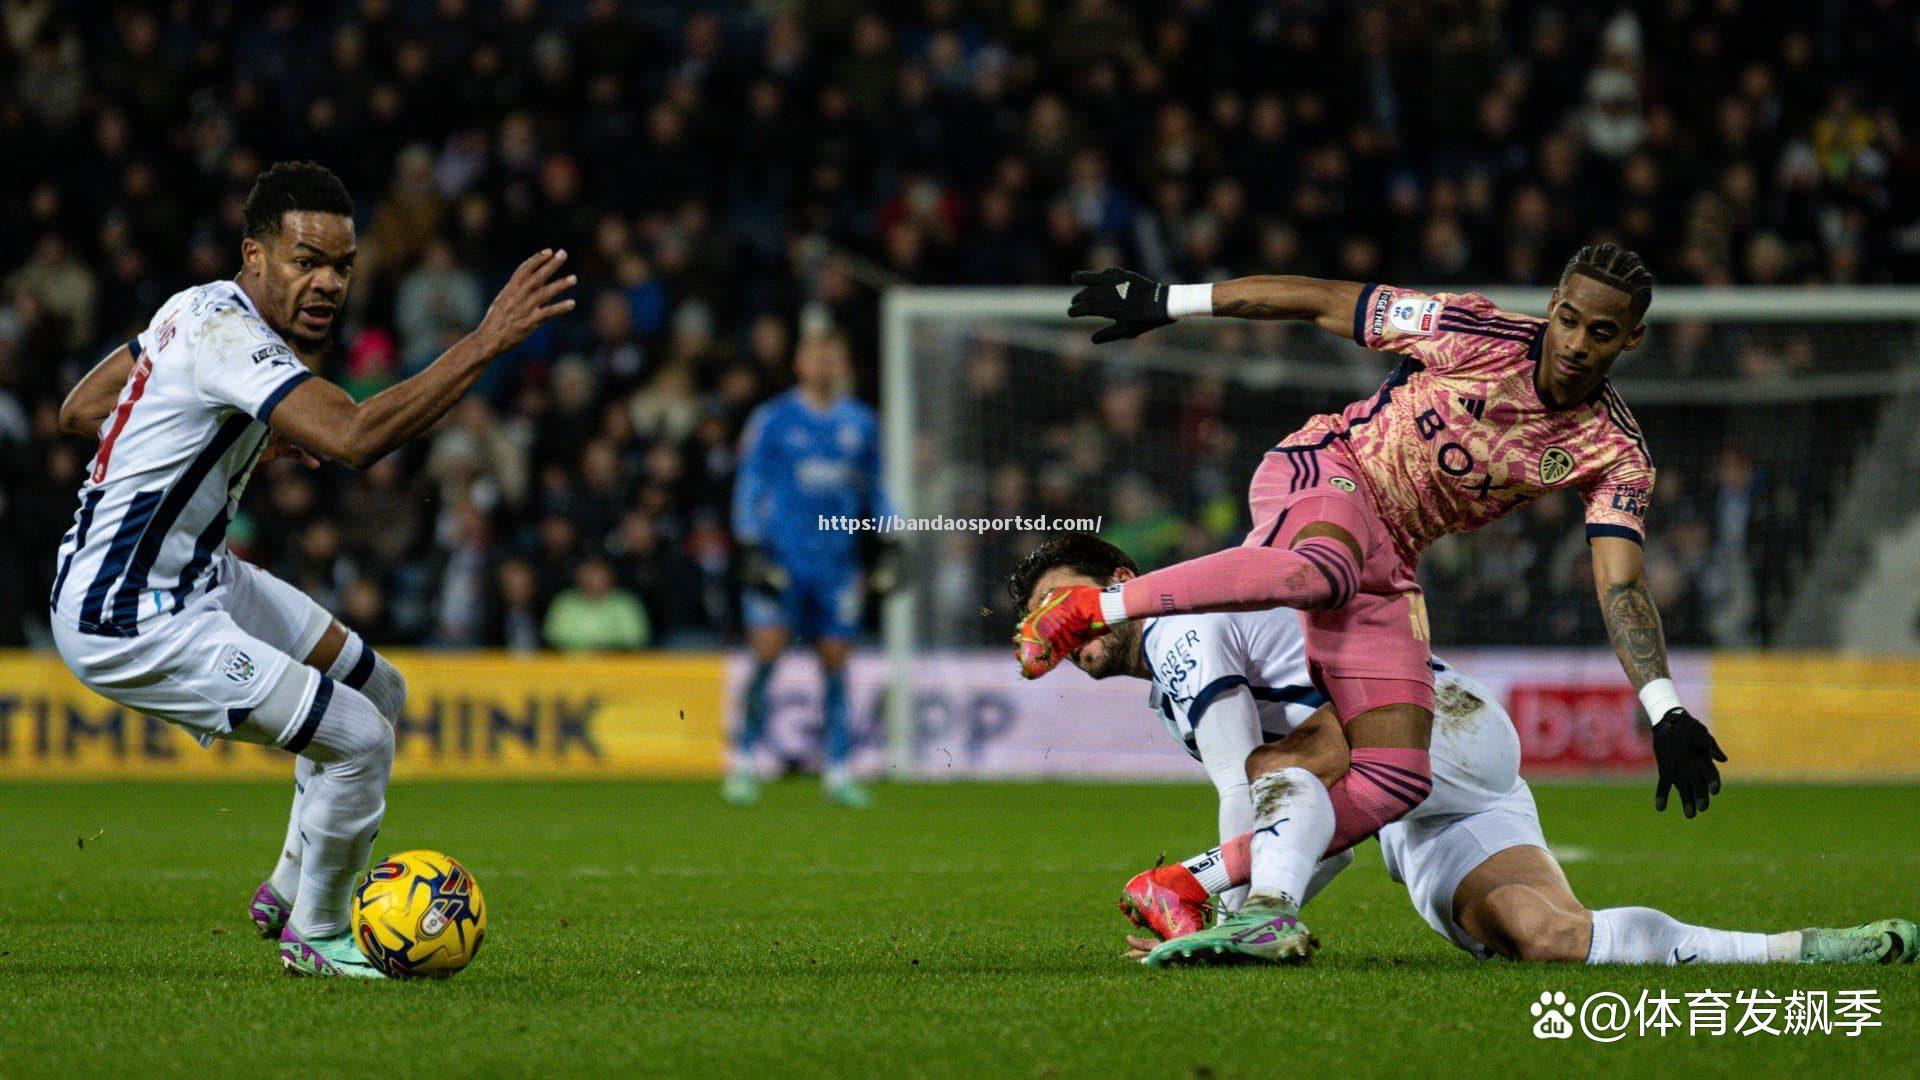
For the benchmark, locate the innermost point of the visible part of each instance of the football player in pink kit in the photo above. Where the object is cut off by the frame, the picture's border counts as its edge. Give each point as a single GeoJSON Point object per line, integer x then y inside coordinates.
{"type": "Point", "coordinates": [1487, 410]}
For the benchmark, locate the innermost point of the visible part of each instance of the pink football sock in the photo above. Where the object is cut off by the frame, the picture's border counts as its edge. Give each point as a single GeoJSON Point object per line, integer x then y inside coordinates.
{"type": "Point", "coordinates": [1381, 785]}
{"type": "Point", "coordinates": [1365, 801]}
{"type": "Point", "coordinates": [1318, 573]}
{"type": "Point", "coordinates": [1237, 854]}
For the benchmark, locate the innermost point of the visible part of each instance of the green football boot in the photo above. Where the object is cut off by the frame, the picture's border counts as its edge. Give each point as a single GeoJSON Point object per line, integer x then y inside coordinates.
{"type": "Point", "coordinates": [846, 793]}
{"type": "Point", "coordinates": [1266, 930]}
{"type": "Point", "coordinates": [741, 789]}
{"type": "Point", "coordinates": [335, 957]}
{"type": "Point", "coordinates": [1888, 941]}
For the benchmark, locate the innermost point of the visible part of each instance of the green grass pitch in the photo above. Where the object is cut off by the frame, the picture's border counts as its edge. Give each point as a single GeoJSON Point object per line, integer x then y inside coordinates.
{"type": "Point", "coordinates": [951, 930]}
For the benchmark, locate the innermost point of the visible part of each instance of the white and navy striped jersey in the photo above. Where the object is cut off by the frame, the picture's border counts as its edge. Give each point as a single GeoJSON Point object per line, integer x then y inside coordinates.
{"type": "Point", "coordinates": [174, 456]}
{"type": "Point", "coordinates": [1193, 659]}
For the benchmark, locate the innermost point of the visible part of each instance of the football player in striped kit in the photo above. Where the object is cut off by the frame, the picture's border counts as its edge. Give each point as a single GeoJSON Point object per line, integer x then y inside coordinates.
{"type": "Point", "coordinates": [150, 609]}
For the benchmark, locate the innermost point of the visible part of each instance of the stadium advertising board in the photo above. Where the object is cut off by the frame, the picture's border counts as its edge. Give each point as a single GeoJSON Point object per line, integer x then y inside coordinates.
{"type": "Point", "coordinates": [487, 715]}
{"type": "Point", "coordinates": [1818, 716]}
{"type": "Point", "coordinates": [467, 715]}
{"type": "Point", "coordinates": [974, 716]}
{"type": "Point", "coordinates": [1574, 713]}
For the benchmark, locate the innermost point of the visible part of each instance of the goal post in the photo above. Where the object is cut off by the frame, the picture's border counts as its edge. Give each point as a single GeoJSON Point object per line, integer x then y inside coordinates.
{"type": "Point", "coordinates": [1782, 423]}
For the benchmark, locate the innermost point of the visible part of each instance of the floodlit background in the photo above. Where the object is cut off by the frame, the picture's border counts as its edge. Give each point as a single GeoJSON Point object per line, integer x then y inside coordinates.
{"type": "Point", "coordinates": [924, 175]}
{"type": "Point", "coordinates": [726, 174]}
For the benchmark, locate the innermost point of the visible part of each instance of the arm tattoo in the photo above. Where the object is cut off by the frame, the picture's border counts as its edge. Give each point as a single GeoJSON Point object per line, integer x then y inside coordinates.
{"type": "Point", "coordinates": [1634, 626]}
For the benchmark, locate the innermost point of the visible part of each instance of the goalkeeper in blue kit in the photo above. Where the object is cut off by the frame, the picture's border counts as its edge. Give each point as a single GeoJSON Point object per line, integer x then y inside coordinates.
{"type": "Point", "coordinates": [809, 454]}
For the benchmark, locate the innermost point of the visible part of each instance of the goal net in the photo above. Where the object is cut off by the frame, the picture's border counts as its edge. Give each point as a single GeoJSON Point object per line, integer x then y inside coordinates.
{"type": "Point", "coordinates": [1766, 410]}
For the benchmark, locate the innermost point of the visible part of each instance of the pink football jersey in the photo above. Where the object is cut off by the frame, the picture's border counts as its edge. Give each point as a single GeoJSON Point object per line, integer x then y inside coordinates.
{"type": "Point", "coordinates": [1458, 435]}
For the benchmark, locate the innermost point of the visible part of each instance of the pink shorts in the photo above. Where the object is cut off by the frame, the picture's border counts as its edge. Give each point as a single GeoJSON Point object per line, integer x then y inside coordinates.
{"type": "Point", "coordinates": [1373, 651]}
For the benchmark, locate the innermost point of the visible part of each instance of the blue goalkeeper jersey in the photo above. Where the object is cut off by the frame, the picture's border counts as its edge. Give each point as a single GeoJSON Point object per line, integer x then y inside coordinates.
{"type": "Point", "coordinates": [798, 464]}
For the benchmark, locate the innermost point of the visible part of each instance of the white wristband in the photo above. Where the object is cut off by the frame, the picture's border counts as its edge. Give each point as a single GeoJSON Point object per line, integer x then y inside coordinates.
{"type": "Point", "coordinates": [1660, 698]}
{"type": "Point", "coordinates": [1185, 300]}
{"type": "Point", "coordinates": [1113, 606]}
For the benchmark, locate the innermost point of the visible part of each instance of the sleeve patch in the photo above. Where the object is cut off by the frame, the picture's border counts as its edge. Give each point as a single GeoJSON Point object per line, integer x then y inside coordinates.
{"type": "Point", "coordinates": [1415, 316]}
{"type": "Point", "coordinates": [1377, 322]}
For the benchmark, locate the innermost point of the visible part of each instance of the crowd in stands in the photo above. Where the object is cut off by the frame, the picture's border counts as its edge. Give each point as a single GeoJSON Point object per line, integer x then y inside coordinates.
{"type": "Point", "coordinates": [729, 175]}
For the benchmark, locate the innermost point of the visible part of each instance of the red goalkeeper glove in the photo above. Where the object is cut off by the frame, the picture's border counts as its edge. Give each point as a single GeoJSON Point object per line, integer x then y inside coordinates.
{"type": "Point", "coordinates": [1064, 619]}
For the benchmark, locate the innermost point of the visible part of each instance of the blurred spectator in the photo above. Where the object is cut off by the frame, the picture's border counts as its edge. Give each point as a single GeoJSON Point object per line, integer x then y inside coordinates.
{"type": "Point", "coordinates": [437, 303]}
{"type": "Point", "coordinates": [516, 620]}
{"type": "Point", "coordinates": [715, 174]}
{"type": "Point", "coordinates": [596, 615]}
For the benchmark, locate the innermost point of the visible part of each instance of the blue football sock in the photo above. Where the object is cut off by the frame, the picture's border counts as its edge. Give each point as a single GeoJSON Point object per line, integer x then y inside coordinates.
{"type": "Point", "coordinates": [754, 723]}
{"type": "Point", "coordinates": [839, 741]}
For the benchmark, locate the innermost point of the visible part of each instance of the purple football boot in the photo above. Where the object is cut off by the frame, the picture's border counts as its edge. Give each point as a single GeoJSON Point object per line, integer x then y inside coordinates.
{"type": "Point", "coordinates": [268, 912]}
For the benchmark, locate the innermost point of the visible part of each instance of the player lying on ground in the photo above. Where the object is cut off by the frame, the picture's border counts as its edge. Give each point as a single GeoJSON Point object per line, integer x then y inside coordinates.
{"type": "Point", "coordinates": [1471, 854]}
{"type": "Point", "coordinates": [1487, 411]}
{"type": "Point", "coordinates": [151, 610]}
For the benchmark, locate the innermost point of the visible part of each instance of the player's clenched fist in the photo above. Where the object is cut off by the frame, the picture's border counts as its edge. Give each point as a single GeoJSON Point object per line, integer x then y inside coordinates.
{"type": "Point", "coordinates": [530, 297]}
{"type": "Point", "coordinates": [1064, 619]}
{"type": "Point", "coordinates": [1135, 302]}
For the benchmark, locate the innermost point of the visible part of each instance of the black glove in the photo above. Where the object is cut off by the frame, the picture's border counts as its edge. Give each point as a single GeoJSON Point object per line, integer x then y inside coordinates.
{"type": "Point", "coordinates": [1135, 302]}
{"type": "Point", "coordinates": [884, 574]}
{"type": "Point", "coordinates": [758, 572]}
{"type": "Point", "coordinates": [1685, 751]}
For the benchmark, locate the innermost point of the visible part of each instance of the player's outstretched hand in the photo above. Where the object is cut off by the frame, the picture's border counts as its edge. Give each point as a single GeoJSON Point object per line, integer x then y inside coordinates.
{"type": "Point", "coordinates": [530, 297]}
{"type": "Point", "coordinates": [1138, 946]}
{"type": "Point", "coordinates": [1686, 751]}
{"type": "Point", "coordinates": [1135, 302]}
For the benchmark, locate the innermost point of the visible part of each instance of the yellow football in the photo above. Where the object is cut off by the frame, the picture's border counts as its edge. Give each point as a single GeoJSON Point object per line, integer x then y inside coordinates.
{"type": "Point", "coordinates": [419, 914]}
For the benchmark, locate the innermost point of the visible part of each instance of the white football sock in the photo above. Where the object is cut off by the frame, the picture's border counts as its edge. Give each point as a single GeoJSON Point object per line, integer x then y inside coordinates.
{"type": "Point", "coordinates": [1209, 868]}
{"type": "Point", "coordinates": [285, 879]}
{"type": "Point", "coordinates": [1292, 825]}
{"type": "Point", "coordinates": [383, 684]}
{"type": "Point", "coordinates": [1641, 935]}
{"type": "Point", "coordinates": [352, 745]}
{"type": "Point", "coordinates": [1236, 819]}
{"type": "Point", "coordinates": [365, 670]}
{"type": "Point", "coordinates": [1325, 871]}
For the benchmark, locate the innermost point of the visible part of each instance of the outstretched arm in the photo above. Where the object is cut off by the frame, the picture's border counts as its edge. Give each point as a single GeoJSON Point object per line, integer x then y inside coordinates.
{"type": "Point", "coordinates": [320, 417]}
{"type": "Point", "coordinates": [1684, 748]}
{"type": "Point", "coordinates": [93, 397]}
{"type": "Point", "coordinates": [1326, 304]}
{"type": "Point", "coordinates": [1137, 303]}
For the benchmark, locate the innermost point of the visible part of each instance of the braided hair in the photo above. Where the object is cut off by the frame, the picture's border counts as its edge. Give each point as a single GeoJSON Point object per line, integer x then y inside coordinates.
{"type": "Point", "coordinates": [1616, 267]}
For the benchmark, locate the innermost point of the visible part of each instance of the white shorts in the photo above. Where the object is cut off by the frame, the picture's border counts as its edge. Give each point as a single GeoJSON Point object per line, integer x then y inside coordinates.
{"type": "Point", "coordinates": [209, 666]}
{"type": "Point", "coordinates": [1432, 855]}
{"type": "Point", "coordinates": [1479, 804]}
{"type": "Point", "coordinates": [1474, 750]}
